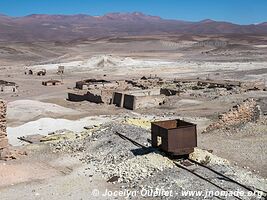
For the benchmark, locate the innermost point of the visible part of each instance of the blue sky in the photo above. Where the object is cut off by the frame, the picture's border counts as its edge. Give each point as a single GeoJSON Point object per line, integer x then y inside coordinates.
{"type": "Point", "coordinates": [237, 11]}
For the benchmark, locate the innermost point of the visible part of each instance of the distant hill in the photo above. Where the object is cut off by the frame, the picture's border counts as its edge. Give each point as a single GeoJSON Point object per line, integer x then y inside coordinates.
{"type": "Point", "coordinates": [67, 27]}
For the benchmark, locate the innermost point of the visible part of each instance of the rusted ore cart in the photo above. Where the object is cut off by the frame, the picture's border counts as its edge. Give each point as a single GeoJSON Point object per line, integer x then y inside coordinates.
{"type": "Point", "coordinates": [176, 137]}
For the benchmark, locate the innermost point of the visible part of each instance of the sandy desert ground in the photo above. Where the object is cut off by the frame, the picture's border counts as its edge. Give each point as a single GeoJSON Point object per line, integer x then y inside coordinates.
{"type": "Point", "coordinates": [58, 170]}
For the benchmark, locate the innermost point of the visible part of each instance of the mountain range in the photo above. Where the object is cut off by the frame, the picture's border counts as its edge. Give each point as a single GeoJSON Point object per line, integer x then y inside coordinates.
{"type": "Point", "coordinates": [41, 27]}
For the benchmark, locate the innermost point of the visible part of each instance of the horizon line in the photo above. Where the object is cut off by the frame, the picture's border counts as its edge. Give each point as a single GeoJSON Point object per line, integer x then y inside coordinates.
{"type": "Point", "coordinates": [87, 14]}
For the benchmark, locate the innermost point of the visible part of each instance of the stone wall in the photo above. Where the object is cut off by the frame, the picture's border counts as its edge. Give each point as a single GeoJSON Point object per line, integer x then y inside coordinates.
{"type": "Point", "coordinates": [6, 151]}
{"type": "Point", "coordinates": [248, 111]}
{"type": "Point", "coordinates": [137, 99]}
{"type": "Point", "coordinates": [8, 88]}
{"type": "Point", "coordinates": [3, 133]}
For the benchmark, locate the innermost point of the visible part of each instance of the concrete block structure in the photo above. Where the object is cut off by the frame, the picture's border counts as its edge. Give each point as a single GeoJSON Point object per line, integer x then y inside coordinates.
{"type": "Point", "coordinates": [95, 96]}
{"type": "Point", "coordinates": [138, 99]}
{"type": "Point", "coordinates": [89, 83]}
{"type": "Point", "coordinates": [51, 83]}
{"type": "Point", "coordinates": [8, 87]}
{"type": "Point", "coordinates": [60, 69]}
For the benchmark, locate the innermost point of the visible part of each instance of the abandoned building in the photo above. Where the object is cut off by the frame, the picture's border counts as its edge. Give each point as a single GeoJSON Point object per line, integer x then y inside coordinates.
{"type": "Point", "coordinates": [138, 99]}
{"type": "Point", "coordinates": [96, 96]}
{"type": "Point", "coordinates": [29, 72]}
{"type": "Point", "coordinates": [51, 83]}
{"type": "Point", "coordinates": [148, 92]}
{"type": "Point", "coordinates": [227, 84]}
{"type": "Point", "coordinates": [147, 82]}
{"type": "Point", "coordinates": [8, 87]}
{"type": "Point", "coordinates": [60, 70]}
{"type": "Point", "coordinates": [89, 83]}
{"type": "Point", "coordinates": [41, 72]}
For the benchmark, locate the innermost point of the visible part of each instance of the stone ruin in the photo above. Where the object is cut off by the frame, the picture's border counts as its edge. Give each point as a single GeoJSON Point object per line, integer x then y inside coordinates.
{"type": "Point", "coordinates": [8, 87]}
{"type": "Point", "coordinates": [138, 99]}
{"type": "Point", "coordinates": [247, 111]}
{"type": "Point", "coordinates": [3, 134]}
{"type": "Point", "coordinates": [6, 152]}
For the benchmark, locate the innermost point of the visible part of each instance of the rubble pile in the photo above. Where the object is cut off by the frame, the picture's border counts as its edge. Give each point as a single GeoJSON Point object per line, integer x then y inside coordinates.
{"type": "Point", "coordinates": [206, 157]}
{"type": "Point", "coordinates": [116, 158]}
{"type": "Point", "coordinates": [120, 162]}
{"type": "Point", "coordinates": [248, 111]}
{"type": "Point", "coordinates": [139, 167]}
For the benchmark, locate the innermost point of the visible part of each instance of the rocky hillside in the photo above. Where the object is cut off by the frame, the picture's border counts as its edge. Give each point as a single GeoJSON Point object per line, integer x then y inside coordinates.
{"type": "Point", "coordinates": [39, 27]}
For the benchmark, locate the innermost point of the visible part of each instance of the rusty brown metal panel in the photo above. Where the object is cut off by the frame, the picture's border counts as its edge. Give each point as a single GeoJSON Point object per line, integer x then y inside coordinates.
{"type": "Point", "coordinates": [181, 139]}
{"type": "Point", "coordinates": [166, 124]}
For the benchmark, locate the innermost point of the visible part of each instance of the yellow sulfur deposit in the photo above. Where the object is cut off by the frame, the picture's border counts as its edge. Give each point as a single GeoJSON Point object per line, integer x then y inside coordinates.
{"type": "Point", "coordinates": [141, 122]}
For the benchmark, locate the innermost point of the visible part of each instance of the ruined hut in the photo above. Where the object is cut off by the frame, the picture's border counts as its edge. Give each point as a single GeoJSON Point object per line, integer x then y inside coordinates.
{"type": "Point", "coordinates": [60, 70]}
{"type": "Point", "coordinates": [8, 87]}
{"type": "Point", "coordinates": [51, 83]}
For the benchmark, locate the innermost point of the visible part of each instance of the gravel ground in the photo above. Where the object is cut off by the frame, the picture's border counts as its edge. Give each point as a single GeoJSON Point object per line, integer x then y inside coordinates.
{"type": "Point", "coordinates": [129, 167]}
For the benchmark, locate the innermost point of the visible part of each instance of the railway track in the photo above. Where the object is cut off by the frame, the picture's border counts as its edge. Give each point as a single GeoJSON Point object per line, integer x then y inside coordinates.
{"type": "Point", "coordinates": [205, 173]}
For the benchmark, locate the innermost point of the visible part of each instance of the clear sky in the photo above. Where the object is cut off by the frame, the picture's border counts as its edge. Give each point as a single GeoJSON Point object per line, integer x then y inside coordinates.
{"type": "Point", "coordinates": [237, 11]}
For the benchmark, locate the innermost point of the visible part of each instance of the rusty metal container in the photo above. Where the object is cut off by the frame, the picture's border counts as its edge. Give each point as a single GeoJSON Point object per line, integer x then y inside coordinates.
{"type": "Point", "coordinates": [176, 137]}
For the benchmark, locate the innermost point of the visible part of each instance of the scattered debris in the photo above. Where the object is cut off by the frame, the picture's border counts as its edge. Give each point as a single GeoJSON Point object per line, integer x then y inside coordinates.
{"type": "Point", "coordinates": [140, 167]}
{"type": "Point", "coordinates": [60, 135]}
{"type": "Point", "coordinates": [206, 157]}
{"type": "Point", "coordinates": [32, 139]}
